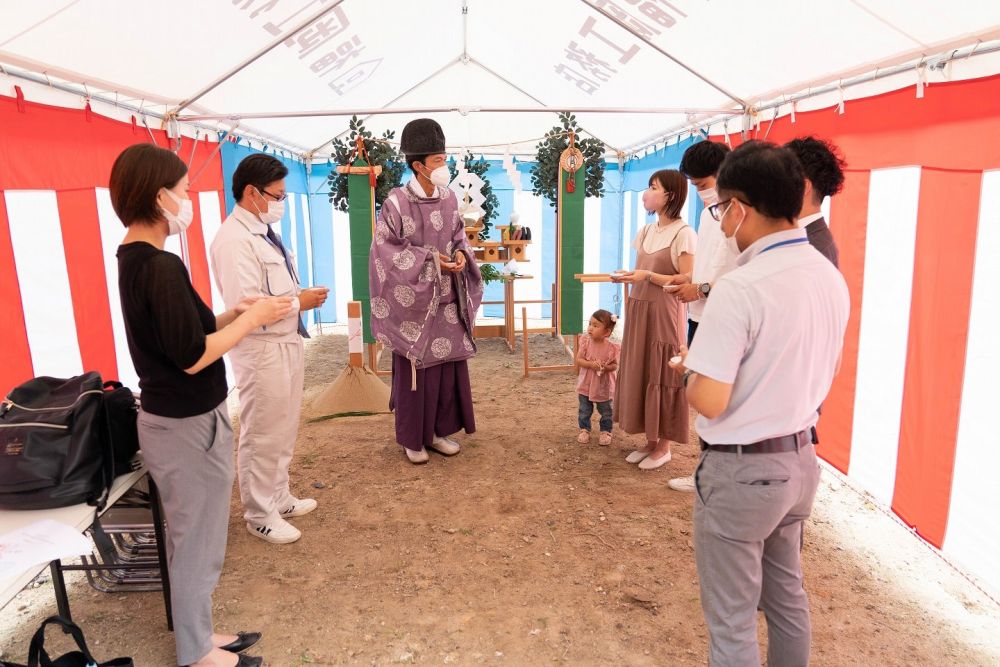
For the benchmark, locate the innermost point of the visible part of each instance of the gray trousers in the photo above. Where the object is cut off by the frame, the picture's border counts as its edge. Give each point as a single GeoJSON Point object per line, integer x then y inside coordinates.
{"type": "Point", "coordinates": [748, 522]}
{"type": "Point", "coordinates": [191, 461]}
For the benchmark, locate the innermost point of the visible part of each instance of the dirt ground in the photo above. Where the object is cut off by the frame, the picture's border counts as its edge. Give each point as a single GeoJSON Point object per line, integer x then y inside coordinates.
{"type": "Point", "coordinates": [525, 549]}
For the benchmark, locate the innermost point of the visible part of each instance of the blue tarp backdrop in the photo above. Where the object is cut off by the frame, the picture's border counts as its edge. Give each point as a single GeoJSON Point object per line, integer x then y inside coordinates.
{"type": "Point", "coordinates": [310, 223]}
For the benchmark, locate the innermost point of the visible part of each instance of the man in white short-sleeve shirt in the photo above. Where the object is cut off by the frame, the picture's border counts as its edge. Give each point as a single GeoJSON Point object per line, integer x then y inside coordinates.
{"type": "Point", "coordinates": [699, 165]}
{"type": "Point", "coordinates": [767, 349]}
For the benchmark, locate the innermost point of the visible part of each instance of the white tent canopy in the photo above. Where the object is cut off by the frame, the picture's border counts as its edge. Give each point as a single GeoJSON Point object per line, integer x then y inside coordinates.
{"type": "Point", "coordinates": [291, 72]}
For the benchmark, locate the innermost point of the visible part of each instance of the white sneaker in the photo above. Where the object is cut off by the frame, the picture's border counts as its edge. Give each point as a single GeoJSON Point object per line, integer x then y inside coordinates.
{"type": "Point", "coordinates": [416, 456]}
{"type": "Point", "coordinates": [684, 484]}
{"type": "Point", "coordinates": [280, 532]}
{"type": "Point", "coordinates": [299, 507]}
{"type": "Point", "coordinates": [636, 456]}
{"type": "Point", "coordinates": [649, 463]}
{"type": "Point", "coordinates": [445, 446]}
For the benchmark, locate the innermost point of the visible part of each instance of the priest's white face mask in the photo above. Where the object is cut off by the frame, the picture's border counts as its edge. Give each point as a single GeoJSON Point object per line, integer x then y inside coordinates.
{"type": "Point", "coordinates": [441, 177]}
{"type": "Point", "coordinates": [435, 169]}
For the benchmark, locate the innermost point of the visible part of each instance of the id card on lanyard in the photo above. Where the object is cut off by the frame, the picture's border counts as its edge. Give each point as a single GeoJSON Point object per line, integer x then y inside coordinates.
{"type": "Point", "coordinates": [787, 242]}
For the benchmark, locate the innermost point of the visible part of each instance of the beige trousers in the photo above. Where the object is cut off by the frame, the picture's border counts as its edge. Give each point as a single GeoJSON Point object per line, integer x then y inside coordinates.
{"type": "Point", "coordinates": [269, 376]}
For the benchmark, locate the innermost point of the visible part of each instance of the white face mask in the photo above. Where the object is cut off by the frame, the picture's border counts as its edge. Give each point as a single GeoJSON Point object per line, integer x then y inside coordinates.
{"type": "Point", "coordinates": [178, 222]}
{"type": "Point", "coordinates": [731, 244]}
{"type": "Point", "coordinates": [440, 177]}
{"type": "Point", "coordinates": [708, 196]}
{"type": "Point", "coordinates": [275, 211]}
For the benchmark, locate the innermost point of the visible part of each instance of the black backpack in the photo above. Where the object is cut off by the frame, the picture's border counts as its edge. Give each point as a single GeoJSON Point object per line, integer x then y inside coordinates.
{"type": "Point", "coordinates": [55, 448]}
{"type": "Point", "coordinates": [122, 412]}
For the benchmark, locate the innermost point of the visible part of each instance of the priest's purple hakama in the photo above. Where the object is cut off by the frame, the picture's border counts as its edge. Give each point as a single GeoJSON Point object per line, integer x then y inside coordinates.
{"type": "Point", "coordinates": [425, 315]}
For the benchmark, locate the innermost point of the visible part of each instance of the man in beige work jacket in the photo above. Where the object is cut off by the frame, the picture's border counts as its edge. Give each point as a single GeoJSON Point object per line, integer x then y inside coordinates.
{"type": "Point", "coordinates": [249, 260]}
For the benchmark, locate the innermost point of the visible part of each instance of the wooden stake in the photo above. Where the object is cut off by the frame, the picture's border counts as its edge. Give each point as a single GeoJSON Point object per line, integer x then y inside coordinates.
{"type": "Point", "coordinates": [555, 309]}
{"type": "Point", "coordinates": [524, 338]}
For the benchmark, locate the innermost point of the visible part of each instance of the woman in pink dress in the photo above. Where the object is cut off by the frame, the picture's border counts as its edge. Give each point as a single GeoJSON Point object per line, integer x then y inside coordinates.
{"type": "Point", "coordinates": [650, 396]}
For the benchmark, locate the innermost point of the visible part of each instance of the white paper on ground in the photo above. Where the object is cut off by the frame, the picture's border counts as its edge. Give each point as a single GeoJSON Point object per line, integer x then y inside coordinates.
{"type": "Point", "coordinates": [39, 542]}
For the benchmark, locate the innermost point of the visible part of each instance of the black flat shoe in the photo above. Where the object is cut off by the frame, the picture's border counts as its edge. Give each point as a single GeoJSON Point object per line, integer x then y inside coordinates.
{"type": "Point", "coordinates": [247, 661]}
{"type": "Point", "coordinates": [244, 640]}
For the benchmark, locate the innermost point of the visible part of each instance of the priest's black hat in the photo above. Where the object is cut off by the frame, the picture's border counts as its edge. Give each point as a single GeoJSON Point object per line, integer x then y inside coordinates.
{"type": "Point", "coordinates": [422, 136]}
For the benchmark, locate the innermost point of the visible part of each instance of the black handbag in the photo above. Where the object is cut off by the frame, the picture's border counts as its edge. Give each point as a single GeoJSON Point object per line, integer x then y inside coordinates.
{"type": "Point", "coordinates": [123, 413]}
{"type": "Point", "coordinates": [54, 444]}
{"type": "Point", "coordinates": [37, 657]}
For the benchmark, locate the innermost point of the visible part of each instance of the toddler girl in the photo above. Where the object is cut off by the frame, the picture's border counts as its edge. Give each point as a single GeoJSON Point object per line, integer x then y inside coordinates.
{"type": "Point", "coordinates": [598, 364]}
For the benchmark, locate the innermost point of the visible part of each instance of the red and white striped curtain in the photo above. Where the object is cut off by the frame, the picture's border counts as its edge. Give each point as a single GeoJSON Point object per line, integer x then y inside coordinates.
{"type": "Point", "coordinates": [59, 234]}
{"type": "Point", "coordinates": [909, 417]}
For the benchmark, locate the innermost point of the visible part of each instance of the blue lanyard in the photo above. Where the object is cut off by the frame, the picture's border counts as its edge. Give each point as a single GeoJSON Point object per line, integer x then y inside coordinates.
{"type": "Point", "coordinates": [781, 243]}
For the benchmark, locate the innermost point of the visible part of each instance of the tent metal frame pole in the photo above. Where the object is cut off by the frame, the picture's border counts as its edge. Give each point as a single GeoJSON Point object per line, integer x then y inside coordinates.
{"type": "Point", "coordinates": [886, 22]}
{"type": "Point", "coordinates": [139, 110]}
{"type": "Point", "coordinates": [621, 24]}
{"type": "Point", "coordinates": [465, 30]}
{"type": "Point", "coordinates": [320, 113]}
{"type": "Point", "coordinates": [46, 71]}
{"type": "Point", "coordinates": [941, 54]}
{"type": "Point", "coordinates": [464, 59]}
{"type": "Point", "coordinates": [246, 63]}
{"type": "Point", "coordinates": [39, 22]}
{"type": "Point", "coordinates": [937, 62]}
{"type": "Point", "coordinates": [392, 101]}
{"type": "Point", "coordinates": [873, 76]}
{"type": "Point", "coordinates": [488, 70]}
{"type": "Point", "coordinates": [523, 92]}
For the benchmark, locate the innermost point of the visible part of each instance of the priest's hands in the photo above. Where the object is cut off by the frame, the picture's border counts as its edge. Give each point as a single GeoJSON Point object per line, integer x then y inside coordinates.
{"type": "Point", "coordinates": [456, 266]}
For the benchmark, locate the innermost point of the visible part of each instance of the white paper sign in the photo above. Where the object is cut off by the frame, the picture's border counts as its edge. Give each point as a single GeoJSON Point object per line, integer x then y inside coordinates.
{"type": "Point", "coordinates": [355, 344]}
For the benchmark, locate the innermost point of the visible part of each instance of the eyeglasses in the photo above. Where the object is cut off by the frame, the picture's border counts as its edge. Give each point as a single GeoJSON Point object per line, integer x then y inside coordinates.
{"type": "Point", "coordinates": [718, 211]}
{"type": "Point", "coordinates": [281, 197]}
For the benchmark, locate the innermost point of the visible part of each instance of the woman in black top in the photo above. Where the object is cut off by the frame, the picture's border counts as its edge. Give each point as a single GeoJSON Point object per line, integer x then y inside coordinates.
{"type": "Point", "coordinates": [185, 434]}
